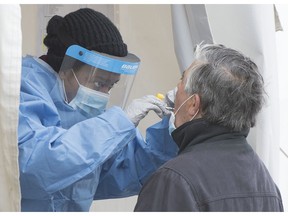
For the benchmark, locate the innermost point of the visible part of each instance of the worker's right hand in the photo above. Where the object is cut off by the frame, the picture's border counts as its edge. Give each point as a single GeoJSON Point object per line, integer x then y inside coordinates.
{"type": "Point", "coordinates": [139, 108]}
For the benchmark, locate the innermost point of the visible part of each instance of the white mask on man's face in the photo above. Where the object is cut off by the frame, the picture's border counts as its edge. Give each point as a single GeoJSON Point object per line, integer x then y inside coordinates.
{"type": "Point", "coordinates": [172, 126]}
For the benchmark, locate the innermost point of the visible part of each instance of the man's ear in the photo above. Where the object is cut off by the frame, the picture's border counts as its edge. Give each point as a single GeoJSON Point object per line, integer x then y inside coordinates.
{"type": "Point", "coordinates": [194, 105]}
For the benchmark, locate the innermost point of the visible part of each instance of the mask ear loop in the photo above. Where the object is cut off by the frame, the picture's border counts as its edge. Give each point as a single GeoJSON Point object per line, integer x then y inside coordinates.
{"type": "Point", "coordinates": [65, 95]}
{"type": "Point", "coordinates": [64, 90]}
{"type": "Point", "coordinates": [75, 77]}
{"type": "Point", "coordinates": [194, 115]}
{"type": "Point", "coordinates": [183, 104]}
{"type": "Point", "coordinates": [63, 84]}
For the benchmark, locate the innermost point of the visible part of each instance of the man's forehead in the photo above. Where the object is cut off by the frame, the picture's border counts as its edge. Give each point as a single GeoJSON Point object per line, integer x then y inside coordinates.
{"type": "Point", "coordinates": [194, 63]}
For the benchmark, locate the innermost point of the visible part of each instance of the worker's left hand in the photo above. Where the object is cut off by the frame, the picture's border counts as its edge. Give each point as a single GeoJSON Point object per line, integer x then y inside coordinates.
{"type": "Point", "coordinates": [139, 108]}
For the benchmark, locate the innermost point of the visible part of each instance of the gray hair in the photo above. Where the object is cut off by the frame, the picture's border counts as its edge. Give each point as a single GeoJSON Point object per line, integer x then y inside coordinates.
{"type": "Point", "coordinates": [230, 87]}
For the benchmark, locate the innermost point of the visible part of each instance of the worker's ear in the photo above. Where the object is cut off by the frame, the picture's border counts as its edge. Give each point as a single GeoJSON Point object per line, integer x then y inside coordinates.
{"type": "Point", "coordinates": [194, 105]}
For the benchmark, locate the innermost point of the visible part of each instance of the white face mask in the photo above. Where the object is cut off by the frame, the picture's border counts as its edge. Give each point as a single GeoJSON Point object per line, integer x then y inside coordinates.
{"type": "Point", "coordinates": [90, 102]}
{"type": "Point", "coordinates": [171, 123]}
{"type": "Point", "coordinates": [172, 126]}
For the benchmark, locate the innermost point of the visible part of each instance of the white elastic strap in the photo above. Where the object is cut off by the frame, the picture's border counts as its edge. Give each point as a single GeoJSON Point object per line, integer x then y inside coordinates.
{"type": "Point", "coordinates": [183, 104]}
{"type": "Point", "coordinates": [75, 77]}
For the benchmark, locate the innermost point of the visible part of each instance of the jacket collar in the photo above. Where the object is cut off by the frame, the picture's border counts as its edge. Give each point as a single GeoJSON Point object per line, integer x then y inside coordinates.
{"type": "Point", "coordinates": [200, 131]}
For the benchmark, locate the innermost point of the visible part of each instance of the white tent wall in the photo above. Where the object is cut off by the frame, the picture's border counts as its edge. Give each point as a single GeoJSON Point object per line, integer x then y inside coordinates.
{"type": "Point", "coordinates": [10, 70]}
{"type": "Point", "coordinates": [282, 47]}
{"type": "Point", "coordinates": [190, 27]}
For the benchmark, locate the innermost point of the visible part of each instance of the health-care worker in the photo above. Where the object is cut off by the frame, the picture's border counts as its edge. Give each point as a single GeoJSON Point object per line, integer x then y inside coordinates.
{"type": "Point", "coordinates": [72, 147]}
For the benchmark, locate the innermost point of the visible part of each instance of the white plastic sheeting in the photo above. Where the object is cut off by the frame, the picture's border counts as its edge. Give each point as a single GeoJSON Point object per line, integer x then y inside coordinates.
{"type": "Point", "coordinates": [190, 27]}
{"type": "Point", "coordinates": [10, 70]}
{"type": "Point", "coordinates": [250, 29]}
{"type": "Point", "coordinates": [282, 47]}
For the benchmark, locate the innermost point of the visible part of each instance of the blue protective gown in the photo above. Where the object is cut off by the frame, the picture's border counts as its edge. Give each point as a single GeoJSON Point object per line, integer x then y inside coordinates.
{"type": "Point", "coordinates": [66, 160]}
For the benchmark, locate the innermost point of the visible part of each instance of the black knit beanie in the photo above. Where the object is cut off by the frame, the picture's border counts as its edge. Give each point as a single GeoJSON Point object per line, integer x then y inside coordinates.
{"type": "Point", "coordinates": [85, 27]}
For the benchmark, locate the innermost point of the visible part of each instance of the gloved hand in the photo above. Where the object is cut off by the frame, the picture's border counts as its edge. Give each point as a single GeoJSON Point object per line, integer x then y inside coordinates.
{"type": "Point", "coordinates": [139, 108]}
{"type": "Point", "coordinates": [170, 97]}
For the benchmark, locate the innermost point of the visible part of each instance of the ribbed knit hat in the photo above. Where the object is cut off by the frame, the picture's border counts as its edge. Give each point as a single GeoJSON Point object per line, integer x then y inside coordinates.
{"type": "Point", "coordinates": [85, 27]}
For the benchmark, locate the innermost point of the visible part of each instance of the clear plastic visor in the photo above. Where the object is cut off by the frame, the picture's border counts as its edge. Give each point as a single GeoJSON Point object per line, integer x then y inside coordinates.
{"type": "Point", "coordinates": [100, 72]}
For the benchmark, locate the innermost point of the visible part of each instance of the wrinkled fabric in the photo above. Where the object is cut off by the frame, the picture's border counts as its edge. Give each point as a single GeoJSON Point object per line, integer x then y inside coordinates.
{"type": "Point", "coordinates": [216, 170]}
{"type": "Point", "coordinates": [65, 158]}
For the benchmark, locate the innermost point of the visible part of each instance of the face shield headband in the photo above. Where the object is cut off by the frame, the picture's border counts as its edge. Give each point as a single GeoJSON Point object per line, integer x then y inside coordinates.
{"type": "Point", "coordinates": [122, 65]}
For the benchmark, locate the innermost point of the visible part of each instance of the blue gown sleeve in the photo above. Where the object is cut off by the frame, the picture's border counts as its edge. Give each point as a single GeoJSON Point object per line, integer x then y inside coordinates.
{"type": "Point", "coordinates": [124, 174]}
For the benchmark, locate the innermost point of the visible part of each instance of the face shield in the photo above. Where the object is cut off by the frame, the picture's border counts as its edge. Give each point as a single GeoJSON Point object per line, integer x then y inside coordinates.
{"type": "Point", "coordinates": [102, 76]}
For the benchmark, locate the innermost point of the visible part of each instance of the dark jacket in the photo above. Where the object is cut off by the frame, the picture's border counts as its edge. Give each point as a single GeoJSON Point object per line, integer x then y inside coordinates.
{"type": "Point", "coordinates": [216, 170]}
